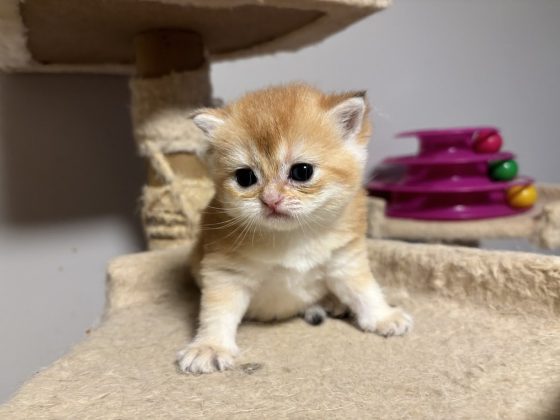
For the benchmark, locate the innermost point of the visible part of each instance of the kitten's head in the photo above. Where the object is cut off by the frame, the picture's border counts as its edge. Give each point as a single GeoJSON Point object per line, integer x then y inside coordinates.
{"type": "Point", "coordinates": [287, 157]}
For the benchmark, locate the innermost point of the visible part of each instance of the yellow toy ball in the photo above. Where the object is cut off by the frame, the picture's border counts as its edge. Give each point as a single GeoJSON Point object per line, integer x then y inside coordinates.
{"type": "Point", "coordinates": [522, 196]}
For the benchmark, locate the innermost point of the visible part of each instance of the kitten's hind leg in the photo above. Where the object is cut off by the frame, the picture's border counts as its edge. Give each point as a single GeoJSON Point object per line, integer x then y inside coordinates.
{"type": "Point", "coordinates": [329, 306]}
{"type": "Point", "coordinates": [315, 315]}
{"type": "Point", "coordinates": [334, 307]}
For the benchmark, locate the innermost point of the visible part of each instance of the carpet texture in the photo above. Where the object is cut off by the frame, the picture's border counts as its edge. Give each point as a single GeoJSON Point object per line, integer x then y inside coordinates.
{"type": "Point", "coordinates": [541, 224]}
{"type": "Point", "coordinates": [65, 35]}
{"type": "Point", "coordinates": [462, 361]}
{"type": "Point", "coordinates": [172, 202]}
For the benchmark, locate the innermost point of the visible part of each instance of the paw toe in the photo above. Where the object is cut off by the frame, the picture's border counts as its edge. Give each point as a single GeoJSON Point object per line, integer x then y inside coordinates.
{"type": "Point", "coordinates": [396, 323]}
{"type": "Point", "coordinates": [204, 359]}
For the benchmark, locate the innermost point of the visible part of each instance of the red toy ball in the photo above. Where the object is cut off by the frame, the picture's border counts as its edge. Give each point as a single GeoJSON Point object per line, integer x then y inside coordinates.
{"type": "Point", "coordinates": [488, 143]}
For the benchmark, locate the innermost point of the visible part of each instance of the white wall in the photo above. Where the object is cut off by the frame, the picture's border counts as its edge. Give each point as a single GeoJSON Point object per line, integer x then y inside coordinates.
{"type": "Point", "coordinates": [69, 181]}
{"type": "Point", "coordinates": [69, 177]}
{"type": "Point", "coordinates": [439, 63]}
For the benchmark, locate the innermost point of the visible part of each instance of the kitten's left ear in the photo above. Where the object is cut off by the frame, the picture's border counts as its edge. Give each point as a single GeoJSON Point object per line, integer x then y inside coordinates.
{"type": "Point", "coordinates": [207, 120]}
{"type": "Point", "coordinates": [348, 115]}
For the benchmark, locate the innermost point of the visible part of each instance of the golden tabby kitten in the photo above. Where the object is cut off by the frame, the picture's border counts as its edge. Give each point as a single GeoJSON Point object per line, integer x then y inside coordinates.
{"type": "Point", "coordinates": [285, 232]}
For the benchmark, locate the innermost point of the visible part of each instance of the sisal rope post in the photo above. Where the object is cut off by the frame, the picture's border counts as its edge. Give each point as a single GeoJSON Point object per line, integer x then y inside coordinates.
{"type": "Point", "coordinates": [172, 81]}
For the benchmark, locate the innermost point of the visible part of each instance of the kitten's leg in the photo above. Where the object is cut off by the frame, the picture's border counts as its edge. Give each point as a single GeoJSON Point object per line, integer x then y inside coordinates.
{"type": "Point", "coordinates": [221, 309]}
{"type": "Point", "coordinates": [350, 279]}
{"type": "Point", "coordinates": [315, 315]}
{"type": "Point", "coordinates": [334, 307]}
{"type": "Point", "coordinates": [330, 305]}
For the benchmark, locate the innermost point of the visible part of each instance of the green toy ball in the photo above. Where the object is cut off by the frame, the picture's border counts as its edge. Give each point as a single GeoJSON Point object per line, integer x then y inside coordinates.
{"type": "Point", "coordinates": [504, 170]}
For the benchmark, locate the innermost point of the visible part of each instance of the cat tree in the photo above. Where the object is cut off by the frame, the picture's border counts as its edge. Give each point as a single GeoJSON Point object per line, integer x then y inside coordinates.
{"type": "Point", "coordinates": [167, 45]}
{"type": "Point", "coordinates": [483, 345]}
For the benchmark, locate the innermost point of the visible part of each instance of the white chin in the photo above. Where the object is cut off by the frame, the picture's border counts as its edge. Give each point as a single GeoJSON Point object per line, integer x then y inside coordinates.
{"type": "Point", "coordinates": [279, 223]}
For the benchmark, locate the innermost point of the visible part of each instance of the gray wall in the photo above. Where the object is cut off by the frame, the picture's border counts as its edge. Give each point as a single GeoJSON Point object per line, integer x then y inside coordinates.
{"type": "Point", "coordinates": [69, 178]}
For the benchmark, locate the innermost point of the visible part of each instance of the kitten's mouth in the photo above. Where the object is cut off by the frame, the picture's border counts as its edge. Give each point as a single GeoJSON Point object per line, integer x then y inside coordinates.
{"type": "Point", "coordinates": [275, 214]}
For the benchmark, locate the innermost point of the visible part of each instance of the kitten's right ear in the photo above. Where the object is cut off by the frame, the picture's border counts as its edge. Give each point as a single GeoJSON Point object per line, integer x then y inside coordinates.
{"type": "Point", "coordinates": [349, 114]}
{"type": "Point", "coordinates": [207, 120]}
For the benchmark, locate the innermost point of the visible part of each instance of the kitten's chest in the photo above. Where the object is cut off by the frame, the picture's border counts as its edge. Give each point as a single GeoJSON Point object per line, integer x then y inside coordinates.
{"type": "Point", "coordinates": [285, 292]}
{"type": "Point", "coordinates": [291, 278]}
{"type": "Point", "coordinates": [301, 254]}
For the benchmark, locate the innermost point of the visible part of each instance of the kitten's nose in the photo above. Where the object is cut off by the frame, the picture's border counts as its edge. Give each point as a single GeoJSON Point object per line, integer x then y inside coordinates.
{"type": "Point", "coordinates": [272, 200]}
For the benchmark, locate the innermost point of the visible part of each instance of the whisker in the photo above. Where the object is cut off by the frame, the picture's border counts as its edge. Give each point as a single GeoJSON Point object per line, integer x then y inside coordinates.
{"type": "Point", "coordinates": [253, 233]}
{"type": "Point", "coordinates": [241, 236]}
{"type": "Point", "coordinates": [299, 222]}
{"type": "Point", "coordinates": [222, 225]}
{"type": "Point", "coordinates": [231, 218]}
{"type": "Point", "coordinates": [240, 225]}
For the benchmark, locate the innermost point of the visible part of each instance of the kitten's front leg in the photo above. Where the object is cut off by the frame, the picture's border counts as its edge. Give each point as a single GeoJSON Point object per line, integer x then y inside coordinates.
{"type": "Point", "coordinates": [350, 279]}
{"type": "Point", "coordinates": [222, 307]}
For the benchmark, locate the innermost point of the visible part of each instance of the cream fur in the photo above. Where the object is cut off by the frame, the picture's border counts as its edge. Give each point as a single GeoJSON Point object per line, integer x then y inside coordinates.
{"type": "Point", "coordinates": [250, 264]}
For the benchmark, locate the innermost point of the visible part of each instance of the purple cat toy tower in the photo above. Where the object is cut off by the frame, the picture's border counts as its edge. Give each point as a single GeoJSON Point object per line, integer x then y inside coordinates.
{"type": "Point", "coordinates": [458, 174]}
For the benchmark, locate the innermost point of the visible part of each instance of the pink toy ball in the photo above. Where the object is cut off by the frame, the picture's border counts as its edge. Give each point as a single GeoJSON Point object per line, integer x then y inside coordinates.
{"type": "Point", "coordinates": [487, 141]}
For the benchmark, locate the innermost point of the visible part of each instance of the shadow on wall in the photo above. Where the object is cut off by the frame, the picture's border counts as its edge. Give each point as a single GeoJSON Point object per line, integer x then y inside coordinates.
{"type": "Point", "coordinates": [554, 411]}
{"type": "Point", "coordinates": [66, 149]}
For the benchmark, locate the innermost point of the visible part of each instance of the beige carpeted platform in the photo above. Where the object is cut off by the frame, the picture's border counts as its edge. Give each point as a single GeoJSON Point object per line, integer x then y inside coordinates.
{"type": "Point", "coordinates": [462, 361]}
{"type": "Point", "coordinates": [541, 225]}
{"type": "Point", "coordinates": [96, 35]}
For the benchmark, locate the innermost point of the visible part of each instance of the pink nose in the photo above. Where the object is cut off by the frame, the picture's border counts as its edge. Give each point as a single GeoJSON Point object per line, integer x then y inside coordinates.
{"type": "Point", "coordinates": [272, 201]}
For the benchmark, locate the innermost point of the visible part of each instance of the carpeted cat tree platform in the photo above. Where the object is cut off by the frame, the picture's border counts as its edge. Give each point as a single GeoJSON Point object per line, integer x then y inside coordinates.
{"type": "Point", "coordinates": [540, 225]}
{"type": "Point", "coordinates": [486, 342]}
{"type": "Point", "coordinates": [486, 345]}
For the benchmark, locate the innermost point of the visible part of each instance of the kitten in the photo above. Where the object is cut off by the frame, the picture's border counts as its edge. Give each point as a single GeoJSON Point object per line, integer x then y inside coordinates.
{"type": "Point", "coordinates": [286, 229]}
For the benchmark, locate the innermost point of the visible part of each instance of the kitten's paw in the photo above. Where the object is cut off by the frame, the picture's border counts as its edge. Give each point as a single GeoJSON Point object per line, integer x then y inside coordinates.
{"type": "Point", "coordinates": [205, 358]}
{"type": "Point", "coordinates": [393, 321]}
{"type": "Point", "coordinates": [396, 322]}
{"type": "Point", "coordinates": [315, 315]}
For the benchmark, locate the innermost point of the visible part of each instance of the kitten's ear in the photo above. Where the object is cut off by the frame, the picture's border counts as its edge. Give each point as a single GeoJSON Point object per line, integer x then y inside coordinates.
{"type": "Point", "coordinates": [348, 115]}
{"type": "Point", "coordinates": [208, 120]}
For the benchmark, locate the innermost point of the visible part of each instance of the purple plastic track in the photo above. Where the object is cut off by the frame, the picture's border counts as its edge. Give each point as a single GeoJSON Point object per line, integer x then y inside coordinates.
{"type": "Point", "coordinates": [459, 185]}
{"type": "Point", "coordinates": [446, 180]}
{"type": "Point", "coordinates": [456, 156]}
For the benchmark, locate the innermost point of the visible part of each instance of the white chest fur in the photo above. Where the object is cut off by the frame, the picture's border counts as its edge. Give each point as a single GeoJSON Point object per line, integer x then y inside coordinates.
{"type": "Point", "coordinates": [285, 292]}
{"type": "Point", "coordinates": [291, 278]}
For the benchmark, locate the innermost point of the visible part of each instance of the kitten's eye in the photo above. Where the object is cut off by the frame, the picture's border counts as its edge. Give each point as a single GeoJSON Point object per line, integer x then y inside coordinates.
{"type": "Point", "coordinates": [301, 172]}
{"type": "Point", "coordinates": [245, 177]}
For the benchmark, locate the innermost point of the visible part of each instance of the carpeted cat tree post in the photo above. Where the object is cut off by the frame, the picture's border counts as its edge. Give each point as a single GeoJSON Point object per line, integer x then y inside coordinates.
{"type": "Point", "coordinates": [168, 46]}
{"type": "Point", "coordinates": [486, 343]}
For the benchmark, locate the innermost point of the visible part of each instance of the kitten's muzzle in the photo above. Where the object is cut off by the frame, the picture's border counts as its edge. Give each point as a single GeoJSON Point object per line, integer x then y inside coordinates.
{"type": "Point", "coordinates": [273, 211]}
{"type": "Point", "coordinates": [272, 201]}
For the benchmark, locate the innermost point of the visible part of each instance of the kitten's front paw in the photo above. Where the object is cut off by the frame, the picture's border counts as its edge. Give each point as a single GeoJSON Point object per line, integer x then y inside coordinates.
{"type": "Point", "coordinates": [205, 358]}
{"type": "Point", "coordinates": [395, 321]}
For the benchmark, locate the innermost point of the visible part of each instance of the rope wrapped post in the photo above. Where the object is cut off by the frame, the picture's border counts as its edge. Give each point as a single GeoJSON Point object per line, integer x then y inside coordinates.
{"type": "Point", "coordinates": [172, 81]}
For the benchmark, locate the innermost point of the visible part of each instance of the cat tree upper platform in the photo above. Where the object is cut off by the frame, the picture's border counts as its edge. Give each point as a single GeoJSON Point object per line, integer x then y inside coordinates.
{"type": "Point", "coordinates": [97, 35]}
